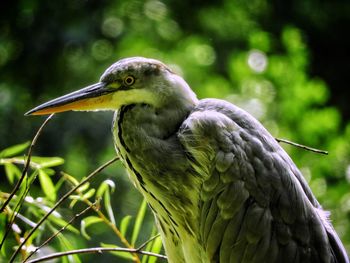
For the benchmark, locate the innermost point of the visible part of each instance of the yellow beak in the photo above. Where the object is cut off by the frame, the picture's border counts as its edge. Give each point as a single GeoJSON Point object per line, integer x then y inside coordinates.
{"type": "Point", "coordinates": [94, 97]}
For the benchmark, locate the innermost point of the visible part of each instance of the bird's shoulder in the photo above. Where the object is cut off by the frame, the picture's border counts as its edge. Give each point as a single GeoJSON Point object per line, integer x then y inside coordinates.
{"type": "Point", "coordinates": [255, 204]}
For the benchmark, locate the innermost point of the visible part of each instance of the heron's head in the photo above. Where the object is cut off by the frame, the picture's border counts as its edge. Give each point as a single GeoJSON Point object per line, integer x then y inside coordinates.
{"type": "Point", "coordinates": [128, 81]}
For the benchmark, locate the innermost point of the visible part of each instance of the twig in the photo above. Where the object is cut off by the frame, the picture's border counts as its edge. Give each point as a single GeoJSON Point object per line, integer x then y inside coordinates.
{"type": "Point", "coordinates": [301, 146]}
{"type": "Point", "coordinates": [60, 231]}
{"type": "Point", "coordinates": [25, 169]}
{"type": "Point", "coordinates": [149, 240]}
{"type": "Point", "coordinates": [63, 198]}
{"type": "Point", "coordinates": [96, 250]}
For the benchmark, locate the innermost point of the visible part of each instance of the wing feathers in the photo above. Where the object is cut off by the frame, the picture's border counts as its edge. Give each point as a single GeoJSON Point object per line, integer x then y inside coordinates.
{"type": "Point", "coordinates": [255, 205]}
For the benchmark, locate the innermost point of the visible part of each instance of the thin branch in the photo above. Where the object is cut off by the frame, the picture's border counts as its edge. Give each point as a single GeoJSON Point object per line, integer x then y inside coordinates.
{"type": "Point", "coordinates": [60, 231]}
{"type": "Point", "coordinates": [98, 250]}
{"type": "Point", "coordinates": [63, 198]}
{"type": "Point", "coordinates": [148, 241]}
{"type": "Point", "coordinates": [301, 146]}
{"type": "Point", "coordinates": [26, 167]}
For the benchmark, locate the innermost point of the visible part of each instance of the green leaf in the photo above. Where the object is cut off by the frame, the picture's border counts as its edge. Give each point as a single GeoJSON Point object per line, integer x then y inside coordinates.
{"type": "Point", "coordinates": [32, 177]}
{"type": "Point", "coordinates": [149, 244]}
{"type": "Point", "coordinates": [105, 186]}
{"type": "Point", "coordinates": [47, 186]}
{"type": "Point", "coordinates": [13, 150]}
{"type": "Point", "coordinates": [24, 187]}
{"type": "Point", "coordinates": [3, 220]}
{"type": "Point", "coordinates": [62, 223]}
{"type": "Point", "coordinates": [86, 222]}
{"type": "Point", "coordinates": [89, 193]}
{"type": "Point", "coordinates": [74, 201]}
{"type": "Point", "coordinates": [108, 206]}
{"type": "Point", "coordinates": [104, 190]}
{"type": "Point", "coordinates": [59, 183]}
{"type": "Point", "coordinates": [139, 219]}
{"type": "Point", "coordinates": [125, 255]}
{"type": "Point", "coordinates": [49, 171]}
{"type": "Point", "coordinates": [70, 178]}
{"type": "Point", "coordinates": [46, 162]}
{"type": "Point", "coordinates": [12, 171]}
{"type": "Point", "coordinates": [65, 246]}
{"type": "Point", "coordinates": [84, 187]}
{"type": "Point", "coordinates": [156, 248]}
{"type": "Point", "coordinates": [124, 225]}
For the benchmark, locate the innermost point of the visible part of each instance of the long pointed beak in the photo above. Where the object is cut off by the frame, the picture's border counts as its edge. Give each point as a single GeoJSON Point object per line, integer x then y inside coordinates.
{"type": "Point", "coordinates": [93, 97]}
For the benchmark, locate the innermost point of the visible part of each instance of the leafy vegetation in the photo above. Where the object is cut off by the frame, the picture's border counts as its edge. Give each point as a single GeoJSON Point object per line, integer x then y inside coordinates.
{"type": "Point", "coordinates": [23, 208]}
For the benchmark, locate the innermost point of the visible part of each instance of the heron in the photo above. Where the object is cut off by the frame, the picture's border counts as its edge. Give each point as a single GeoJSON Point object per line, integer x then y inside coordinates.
{"type": "Point", "coordinates": [221, 188]}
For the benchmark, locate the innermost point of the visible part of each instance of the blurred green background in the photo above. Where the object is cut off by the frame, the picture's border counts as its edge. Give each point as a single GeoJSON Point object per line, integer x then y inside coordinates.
{"type": "Point", "coordinates": [286, 62]}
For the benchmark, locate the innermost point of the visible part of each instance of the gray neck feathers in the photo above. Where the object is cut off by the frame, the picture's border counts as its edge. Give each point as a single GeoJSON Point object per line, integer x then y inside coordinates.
{"type": "Point", "coordinates": [147, 140]}
{"type": "Point", "coordinates": [149, 136]}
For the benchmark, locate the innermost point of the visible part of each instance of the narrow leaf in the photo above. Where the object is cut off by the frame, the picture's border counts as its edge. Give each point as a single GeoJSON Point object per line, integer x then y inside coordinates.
{"type": "Point", "coordinates": [62, 223]}
{"type": "Point", "coordinates": [84, 187]}
{"type": "Point", "coordinates": [72, 204]}
{"type": "Point", "coordinates": [108, 206]}
{"type": "Point", "coordinates": [86, 222]}
{"type": "Point", "coordinates": [104, 186]}
{"type": "Point", "coordinates": [125, 255]}
{"type": "Point", "coordinates": [59, 183]}
{"type": "Point", "coordinates": [156, 248]}
{"type": "Point", "coordinates": [49, 171]}
{"type": "Point", "coordinates": [46, 162]}
{"type": "Point", "coordinates": [67, 245]}
{"type": "Point", "coordinates": [149, 245]}
{"type": "Point", "coordinates": [12, 172]}
{"type": "Point", "coordinates": [46, 185]}
{"type": "Point", "coordinates": [14, 150]}
{"type": "Point", "coordinates": [139, 219]}
{"type": "Point", "coordinates": [70, 178]}
{"type": "Point", "coordinates": [89, 193]}
{"type": "Point", "coordinates": [124, 225]}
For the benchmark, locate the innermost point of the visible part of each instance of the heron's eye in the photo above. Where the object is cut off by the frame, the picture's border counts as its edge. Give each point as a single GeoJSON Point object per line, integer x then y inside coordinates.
{"type": "Point", "coordinates": [129, 80]}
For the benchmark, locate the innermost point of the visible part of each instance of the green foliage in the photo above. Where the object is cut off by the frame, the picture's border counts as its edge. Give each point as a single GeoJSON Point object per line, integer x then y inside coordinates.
{"type": "Point", "coordinates": [13, 150]}
{"type": "Point", "coordinates": [31, 203]}
{"type": "Point", "coordinates": [88, 221]}
{"type": "Point", "coordinates": [138, 223]}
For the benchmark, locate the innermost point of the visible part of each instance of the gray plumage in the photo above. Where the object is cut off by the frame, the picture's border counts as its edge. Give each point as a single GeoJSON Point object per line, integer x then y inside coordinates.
{"type": "Point", "coordinates": [220, 186]}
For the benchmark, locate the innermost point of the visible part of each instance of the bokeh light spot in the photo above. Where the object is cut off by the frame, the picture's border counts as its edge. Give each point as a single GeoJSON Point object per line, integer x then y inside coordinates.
{"type": "Point", "coordinates": [202, 54]}
{"type": "Point", "coordinates": [345, 203]}
{"type": "Point", "coordinates": [262, 89]}
{"type": "Point", "coordinates": [257, 61]}
{"type": "Point", "coordinates": [155, 10]}
{"type": "Point", "coordinates": [169, 30]}
{"type": "Point", "coordinates": [5, 96]}
{"type": "Point", "coordinates": [347, 173]}
{"type": "Point", "coordinates": [102, 49]}
{"type": "Point", "coordinates": [319, 187]}
{"type": "Point", "coordinates": [112, 27]}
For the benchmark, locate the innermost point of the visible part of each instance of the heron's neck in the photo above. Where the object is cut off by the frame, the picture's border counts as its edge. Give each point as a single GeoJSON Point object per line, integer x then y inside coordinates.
{"type": "Point", "coordinates": [147, 141]}
{"type": "Point", "coordinates": [149, 132]}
